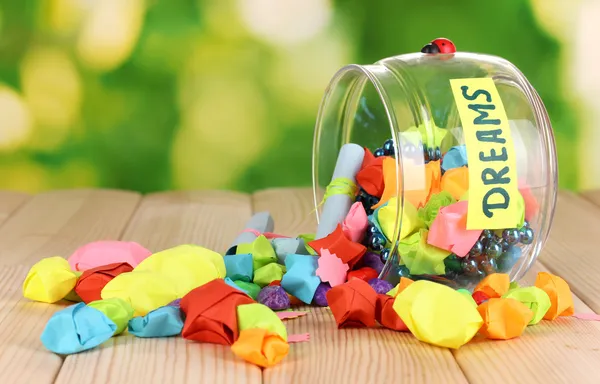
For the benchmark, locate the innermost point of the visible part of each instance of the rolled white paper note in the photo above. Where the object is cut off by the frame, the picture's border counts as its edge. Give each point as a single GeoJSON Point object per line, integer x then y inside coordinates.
{"type": "Point", "coordinates": [260, 222]}
{"type": "Point", "coordinates": [336, 207]}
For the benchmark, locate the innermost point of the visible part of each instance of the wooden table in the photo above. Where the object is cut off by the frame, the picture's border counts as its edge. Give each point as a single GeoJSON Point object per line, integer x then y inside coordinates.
{"type": "Point", "coordinates": [56, 223]}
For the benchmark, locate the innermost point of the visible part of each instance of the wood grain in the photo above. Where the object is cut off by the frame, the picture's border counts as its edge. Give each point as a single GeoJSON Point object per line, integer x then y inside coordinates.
{"type": "Point", "coordinates": [350, 355]}
{"type": "Point", "coordinates": [571, 251]}
{"type": "Point", "coordinates": [9, 202]}
{"type": "Point", "coordinates": [559, 351]}
{"type": "Point", "coordinates": [49, 224]}
{"type": "Point", "coordinates": [211, 219]}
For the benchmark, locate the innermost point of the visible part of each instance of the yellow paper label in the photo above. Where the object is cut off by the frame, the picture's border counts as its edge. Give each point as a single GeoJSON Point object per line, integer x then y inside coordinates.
{"type": "Point", "coordinates": [493, 186]}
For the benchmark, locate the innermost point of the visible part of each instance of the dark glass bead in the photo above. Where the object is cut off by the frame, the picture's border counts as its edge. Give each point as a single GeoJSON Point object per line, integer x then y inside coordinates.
{"type": "Point", "coordinates": [470, 267]}
{"type": "Point", "coordinates": [379, 152]}
{"type": "Point", "coordinates": [385, 254]}
{"type": "Point", "coordinates": [373, 200]}
{"type": "Point", "coordinates": [438, 153]}
{"type": "Point", "coordinates": [403, 271]}
{"type": "Point", "coordinates": [453, 264]}
{"type": "Point", "coordinates": [488, 266]}
{"type": "Point", "coordinates": [511, 235]}
{"type": "Point", "coordinates": [388, 147]}
{"type": "Point", "coordinates": [493, 249]}
{"type": "Point", "coordinates": [431, 153]}
{"type": "Point", "coordinates": [373, 229]}
{"type": "Point", "coordinates": [526, 236]}
{"type": "Point", "coordinates": [505, 245]}
{"type": "Point", "coordinates": [477, 249]}
{"type": "Point", "coordinates": [377, 242]}
{"type": "Point", "coordinates": [425, 153]}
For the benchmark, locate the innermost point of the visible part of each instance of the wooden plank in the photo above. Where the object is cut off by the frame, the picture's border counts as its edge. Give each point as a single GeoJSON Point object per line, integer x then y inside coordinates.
{"type": "Point", "coordinates": [49, 224]}
{"type": "Point", "coordinates": [351, 355]}
{"type": "Point", "coordinates": [593, 196]}
{"type": "Point", "coordinates": [563, 350]}
{"type": "Point", "coordinates": [571, 251]}
{"type": "Point", "coordinates": [9, 202]}
{"type": "Point", "coordinates": [208, 218]}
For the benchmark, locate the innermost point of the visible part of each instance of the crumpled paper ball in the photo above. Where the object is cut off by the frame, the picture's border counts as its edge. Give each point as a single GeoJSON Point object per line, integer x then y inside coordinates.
{"type": "Point", "coordinates": [162, 322]}
{"type": "Point", "coordinates": [504, 319]}
{"type": "Point", "coordinates": [92, 281]}
{"type": "Point", "coordinates": [211, 313]}
{"type": "Point", "coordinates": [49, 280]}
{"type": "Point", "coordinates": [561, 299]}
{"type": "Point", "coordinates": [99, 253]}
{"type": "Point", "coordinates": [494, 285]}
{"type": "Point", "coordinates": [77, 328]}
{"type": "Point", "coordinates": [534, 298]}
{"type": "Point", "coordinates": [320, 297]}
{"type": "Point", "coordinates": [437, 314]}
{"type": "Point", "coordinates": [386, 315]}
{"type": "Point", "coordinates": [353, 304]}
{"type": "Point", "coordinates": [274, 297]}
{"type": "Point", "coordinates": [186, 266]}
{"type": "Point", "coordinates": [143, 290]}
{"type": "Point", "coordinates": [260, 347]}
{"type": "Point", "coordinates": [381, 286]}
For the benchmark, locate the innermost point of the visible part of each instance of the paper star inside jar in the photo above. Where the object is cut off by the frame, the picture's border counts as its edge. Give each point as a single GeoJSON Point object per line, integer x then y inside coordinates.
{"type": "Point", "coordinates": [331, 268]}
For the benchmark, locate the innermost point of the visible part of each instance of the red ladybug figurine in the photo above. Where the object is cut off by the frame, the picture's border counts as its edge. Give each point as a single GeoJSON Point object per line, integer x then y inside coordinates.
{"type": "Point", "coordinates": [440, 45]}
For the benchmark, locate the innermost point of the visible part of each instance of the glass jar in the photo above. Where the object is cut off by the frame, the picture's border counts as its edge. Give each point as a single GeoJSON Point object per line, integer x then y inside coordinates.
{"type": "Point", "coordinates": [469, 163]}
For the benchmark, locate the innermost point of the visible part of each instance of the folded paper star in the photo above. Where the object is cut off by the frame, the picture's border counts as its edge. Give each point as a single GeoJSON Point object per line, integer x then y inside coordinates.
{"type": "Point", "coordinates": [337, 243]}
{"type": "Point", "coordinates": [301, 280]}
{"type": "Point", "coordinates": [420, 257]}
{"type": "Point", "coordinates": [355, 224]}
{"type": "Point", "coordinates": [118, 310]}
{"type": "Point", "coordinates": [456, 182]}
{"type": "Point", "coordinates": [162, 322]}
{"type": "Point", "coordinates": [260, 347]}
{"type": "Point", "coordinates": [561, 299]}
{"type": "Point", "coordinates": [353, 304]}
{"type": "Point", "coordinates": [49, 280]}
{"type": "Point", "coordinates": [532, 207]}
{"type": "Point", "coordinates": [449, 230]}
{"type": "Point", "coordinates": [211, 313]}
{"type": "Point", "coordinates": [239, 267]}
{"type": "Point", "coordinates": [186, 266]}
{"type": "Point", "coordinates": [370, 175]}
{"type": "Point", "coordinates": [92, 281]}
{"type": "Point", "coordinates": [418, 197]}
{"type": "Point", "coordinates": [250, 288]}
{"type": "Point", "coordinates": [533, 298]}
{"type": "Point", "coordinates": [504, 319]}
{"type": "Point", "coordinates": [257, 315]}
{"type": "Point", "coordinates": [331, 268]}
{"type": "Point", "coordinates": [494, 285]}
{"type": "Point", "coordinates": [364, 274]}
{"type": "Point", "coordinates": [143, 290]}
{"type": "Point", "coordinates": [261, 250]}
{"type": "Point", "coordinates": [386, 315]}
{"type": "Point", "coordinates": [387, 218]}
{"type": "Point", "coordinates": [77, 328]}
{"type": "Point", "coordinates": [437, 314]}
{"type": "Point", "coordinates": [390, 181]}
{"type": "Point", "coordinates": [101, 253]}
{"type": "Point", "coordinates": [266, 274]}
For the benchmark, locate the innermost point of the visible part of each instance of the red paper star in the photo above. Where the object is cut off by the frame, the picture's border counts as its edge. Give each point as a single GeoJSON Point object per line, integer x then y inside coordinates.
{"type": "Point", "coordinates": [331, 268]}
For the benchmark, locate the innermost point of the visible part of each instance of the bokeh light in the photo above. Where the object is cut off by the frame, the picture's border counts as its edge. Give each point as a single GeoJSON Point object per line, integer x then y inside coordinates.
{"type": "Point", "coordinates": [15, 117]}
{"type": "Point", "coordinates": [284, 22]}
{"type": "Point", "coordinates": [52, 89]}
{"type": "Point", "coordinates": [109, 33]}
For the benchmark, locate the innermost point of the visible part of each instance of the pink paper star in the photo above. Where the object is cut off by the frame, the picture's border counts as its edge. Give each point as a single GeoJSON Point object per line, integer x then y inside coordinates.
{"type": "Point", "coordinates": [331, 268]}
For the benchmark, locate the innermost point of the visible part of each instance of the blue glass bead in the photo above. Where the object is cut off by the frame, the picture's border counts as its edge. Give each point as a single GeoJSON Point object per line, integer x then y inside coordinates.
{"type": "Point", "coordinates": [438, 153]}
{"type": "Point", "coordinates": [477, 249]}
{"type": "Point", "coordinates": [488, 266]}
{"type": "Point", "coordinates": [493, 249]}
{"type": "Point", "coordinates": [379, 152]}
{"type": "Point", "coordinates": [385, 254]}
{"type": "Point", "coordinates": [373, 230]}
{"type": "Point", "coordinates": [526, 236]}
{"type": "Point", "coordinates": [377, 242]}
{"type": "Point", "coordinates": [403, 271]}
{"type": "Point", "coordinates": [511, 235]}
{"type": "Point", "coordinates": [452, 264]}
{"type": "Point", "coordinates": [388, 147]}
{"type": "Point", "coordinates": [373, 200]}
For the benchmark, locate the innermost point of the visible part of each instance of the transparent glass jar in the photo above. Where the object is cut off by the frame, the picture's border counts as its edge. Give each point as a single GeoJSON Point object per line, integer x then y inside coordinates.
{"type": "Point", "coordinates": [438, 107]}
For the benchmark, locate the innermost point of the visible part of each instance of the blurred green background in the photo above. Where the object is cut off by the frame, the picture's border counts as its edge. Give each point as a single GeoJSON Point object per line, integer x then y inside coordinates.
{"type": "Point", "coordinates": [150, 95]}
